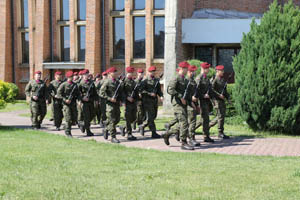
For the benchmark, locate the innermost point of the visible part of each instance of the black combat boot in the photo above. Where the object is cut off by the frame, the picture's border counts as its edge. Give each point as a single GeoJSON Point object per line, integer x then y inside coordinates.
{"type": "Point", "coordinates": [155, 135]}
{"type": "Point", "coordinates": [186, 146]}
{"type": "Point", "coordinates": [166, 137]}
{"type": "Point", "coordinates": [142, 131]}
{"type": "Point", "coordinates": [105, 133]}
{"type": "Point", "coordinates": [130, 137]}
{"type": "Point", "coordinates": [68, 133]}
{"type": "Point", "coordinates": [114, 140]}
{"type": "Point", "coordinates": [88, 132]}
{"type": "Point", "coordinates": [101, 124]}
{"type": "Point", "coordinates": [223, 136]}
{"type": "Point", "coordinates": [58, 128]}
{"type": "Point", "coordinates": [193, 142]}
{"type": "Point", "coordinates": [122, 129]}
{"type": "Point", "coordinates": [81, 127]}
{"type": "Point", "coordinates": [177, 137]}
{"type": "Point", "coordinates": [134, 126]}
{"type": "Point", "coordinates": [167, 126]}
{"type": "Point", "coordinates": [208, 139]}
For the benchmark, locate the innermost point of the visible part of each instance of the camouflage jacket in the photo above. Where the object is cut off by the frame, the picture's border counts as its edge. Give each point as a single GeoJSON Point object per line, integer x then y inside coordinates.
{"type": "Point", "coordinates": [176, 89]}
{"type": "Point", "coordinates": [68, 91]}
{"type": "Point", "coordinates": [37, 88]}
{"type": "Point", "coordinates": [108, 90]}
{"type": "Point", "coordinates": [218, 86]}
{"type": "Point", "coordinates": [53, 87]}
{"type": "Point", "coordinates": [128, 90]}
{"type": "Point", "coordinates": [87, 88]}
{"type": "Point", "coordinates": [148, 87]}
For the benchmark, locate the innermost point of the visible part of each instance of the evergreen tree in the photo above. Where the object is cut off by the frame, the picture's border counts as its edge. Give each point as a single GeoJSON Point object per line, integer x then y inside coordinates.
{"type": "Point", "coordinates": [267, 71]}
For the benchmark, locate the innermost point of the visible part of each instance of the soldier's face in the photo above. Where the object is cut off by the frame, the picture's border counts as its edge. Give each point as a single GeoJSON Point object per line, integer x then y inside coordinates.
{"type": "Point", "coordinates": [58, 77]}
{"type": "Point", "coordinates": [105, 77]}
{"type": "Point", "coordinates": [152, 74]}
{"type": "Point", "coordinates": [86, 76]}
{"type": "Point", "coordinates": [205, 71]}
{"type": "Point", "coordinates": [75, 77]}
{"type": "Point", "coordinates": [190, 74]}
{"type": "Point", "coordinates": [129, 75]}
{"type": "Point", "coordinates": [140, 75]}
{"type": "Point", "coordinates": [220, 73]}
{"type": "Point", "coordinates": [112, 74]}
{"type": "Point", "coordinates": [183, 71]}
{"type": "Point", "coordinates": [37, 76]}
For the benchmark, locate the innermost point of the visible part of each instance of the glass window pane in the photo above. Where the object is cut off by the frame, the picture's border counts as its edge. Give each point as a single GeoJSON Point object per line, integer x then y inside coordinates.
{"type": "Point", "coordinates": [139, 4]}
{"type": "Point", "coordinates": [204, 54]}
{"type": "Point", "coordinates": [159, 37]}
{"type": "Point", "coordinates": [225, 57]}
{"type": "Point", "coordinates": [139, 37]}
{"type": "Point", "coordinates": [25, 47]}
{"type": "Point", "coordinates": [24, 6]}
{"type": "Point", "coordinates": [118, 5]}
{"type": "Point", "coordinates": [159, 4]}
{"type": "Point", "coordinates": [119, 38]}
{"type": "Point", "coordinates": [81, 7]}
{"type": "Point", "coordinates": [65, 43]}
{"type": "Point", "coordinates": [81, 43]}
{"type": "Point", "coordinates": [64, 10]}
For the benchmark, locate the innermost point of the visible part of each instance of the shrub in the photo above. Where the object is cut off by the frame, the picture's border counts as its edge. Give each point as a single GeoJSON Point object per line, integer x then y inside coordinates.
{"type": "Point", "coordinates": [8, 93]}
{"type": "Point", "coordinates": [267, 71]}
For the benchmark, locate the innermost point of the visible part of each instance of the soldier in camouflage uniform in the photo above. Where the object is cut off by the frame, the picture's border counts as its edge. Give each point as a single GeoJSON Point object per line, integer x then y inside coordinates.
{"type": "Point", "coordinates": [150, 89]}
{"type": "Point", "coordinates": [220, 91]}
{"type": "Point", "coordinates": [68, 92]}
{"type": "Point", "coordinates": [87, 94]}
{"type": "Point", "coordinates": [79, 105]}
{"type": "Point", "coordinates": [97, 102]}
{"type": "Point", "coordinates": [140, 110]}
{"type": "Point", "coordinates": [178, 89]}
{"type": "Point", "coordinates": [205, 94]}
{"type": "Point", "coordinates": [36, 91]}
{"type": "Point", "coordinates": [56, 105]}
{"type": "Point", "coordinates": [111, 91]}
{"type": "Point", "coordinates": [102, 102]}
{"type": "Point", "coordinates": [130, 96]}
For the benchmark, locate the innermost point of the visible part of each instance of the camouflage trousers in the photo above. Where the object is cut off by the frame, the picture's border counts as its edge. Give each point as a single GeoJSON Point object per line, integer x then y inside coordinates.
{"type": "Point", "coordinates": [69, 112]}
{"type": "Point", "coordinates": [220, 107]}
{"type": "Point", "coordinates": [140, 113]}
{"type": "Point", "coordinates": [150, 106]}
{"type": "Point", "coordinates": [87, 114]}
{"type": "Point", "coordinates": [180, 123]}
{"type": "Point", "coordinates": [130, 116]}
{"type": "Point", "coordinates": [113, 118]}
{"type": "Point", "coordinates": [57, 112]}
{"type": "Point", "coordinates": [38, 111]}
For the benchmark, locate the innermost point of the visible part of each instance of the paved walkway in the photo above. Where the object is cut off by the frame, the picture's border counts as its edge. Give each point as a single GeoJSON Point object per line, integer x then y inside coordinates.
{"type": "Point", "coordinates": [235, 145]}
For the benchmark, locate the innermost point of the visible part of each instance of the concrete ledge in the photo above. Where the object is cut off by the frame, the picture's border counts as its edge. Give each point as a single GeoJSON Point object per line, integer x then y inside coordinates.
{"type": "Point", "coordinates": [64, 65]}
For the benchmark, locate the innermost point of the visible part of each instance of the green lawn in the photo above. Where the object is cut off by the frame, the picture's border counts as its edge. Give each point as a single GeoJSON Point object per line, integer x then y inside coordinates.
{"type": "Point", "coordinates": [37, 165]}
{"type": "Point", "coordinates": [19, 105]}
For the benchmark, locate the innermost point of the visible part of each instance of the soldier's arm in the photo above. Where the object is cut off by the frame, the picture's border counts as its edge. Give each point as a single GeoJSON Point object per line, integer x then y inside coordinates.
{"type": "Point", "coordinates": [28, 89]}
{"type": "Point", "coordinates": [172, 89]}
{"type": "Point", "coordinates": [214, 88]}
{"type": "Point", "coordinates": [159, 92]}
{"type": "Point", "coordinates": [60, 92]}
{"type": "Point", "coordinates": [103, 93]}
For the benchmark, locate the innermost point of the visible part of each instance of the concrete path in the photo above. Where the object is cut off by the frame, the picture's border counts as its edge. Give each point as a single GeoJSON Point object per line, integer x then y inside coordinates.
{"type": "Point", "coordinates": [235, 145]}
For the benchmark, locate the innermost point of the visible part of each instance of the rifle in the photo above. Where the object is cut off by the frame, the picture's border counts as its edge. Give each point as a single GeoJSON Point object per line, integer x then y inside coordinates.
{"type": "Point", "coordinates": [73, 89]}
{"type": "Point", "coordinates": [134, 89]}
{"type": "Point", "coordinates": [155, 86]}
{"type": "Point", "coordinates": [38, 94]}
{"type": "Point", "coordinates": [226, 83]}
{"type": "Point", "coordinates": [89, 90]}
{"type": "Point", "coordinates": [187, 88]}
{"type": "Point", "coordinates": [121, 79]}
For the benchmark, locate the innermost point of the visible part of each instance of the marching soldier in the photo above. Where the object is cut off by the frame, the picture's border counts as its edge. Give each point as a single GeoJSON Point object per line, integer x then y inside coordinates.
{"type": "Point", "coordinates": [111, 92]}
{"type": "Point", "coordinates": [140, 110]}
{"type": "Point", "coordinates": [205, 94]}
{"type": "Point", "coordinates": [150, 89]}
{"type": "Point", "coordinates": [130, 95]}
{"type": "Point", "coordinates": [75, 77]}
{"type": "Point", "coordinates": [36, 90]}
{"type": "Point", "coordinates": [56, 105]}
{"type": "Point", "coordinates": [178, 89]}
{"type": "Point", "coordinates": [87, 94]}
{"type": "Point", "coordinates": [68, 92]}
{"type": "Point", "coordinates": [102, 102]}
{"type": "Point", "coordinates": [219, 88]}
{"type": "Point", "coordinates": [97, 102]}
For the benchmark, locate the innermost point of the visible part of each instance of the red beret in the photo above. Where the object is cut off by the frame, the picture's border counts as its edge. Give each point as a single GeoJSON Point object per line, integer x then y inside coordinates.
{"type": "Point", "coordinates": [69, 74]}
{"type": "Point", "coordinates": [80, 72]}
{"type": "Point", "coordinates": [152, 69]}
{"type": "Point", "coordinates": [140, 70]}
{"type": "Point", "coordinates": [192, 68]}
{"type": "Point", "coordinates": [220, 67]}
{"type": "Point", "coordinates": [85, 71]}
{"type": "Point", "coordinates": [58, 73]}
{"type": "Point", "coordinates": [75, 73]}
{"type": "Point", "coordinates": [111, 69]}
{"type": "Point", "coordinates": [205, 65]}
{"type": "Point", "coordinates": [129, 69]}
{"type": "Point", "coordinates": [184, 64]}
{"type": "Point", "coordinates": [104, 73]}
{"type": "Point", "coordinates": [98, 75]}
{"type": "Point", "coordinates": [38, 72]}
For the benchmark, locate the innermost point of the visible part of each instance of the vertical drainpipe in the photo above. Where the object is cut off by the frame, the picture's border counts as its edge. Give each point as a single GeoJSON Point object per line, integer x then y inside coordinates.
{"type": "Point", "coordinates": [103, 37]}
{"type": "Point", "coordinates": [51, 36]}
{"type": "Point", "coordinates": [13, 41]}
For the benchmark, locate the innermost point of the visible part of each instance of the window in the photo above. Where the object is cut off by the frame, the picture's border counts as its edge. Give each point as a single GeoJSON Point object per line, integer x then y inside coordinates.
{"type": "Point", "coordinates": [225, 57]}
{"type": "Point", "coordinates": [64, 10]}
{"type": "Point", "coordinates": [119, 38]}
{"type": "Point", "coordinates": [159, 37]}
{"type": "Point", "coordinates": [81, 43]}
{"type": "Point", "coordinates": [24, 11]}
{"type": "Point", "coordinates": [139, 37]}
{"type": "Point", "coordinates": [139, 4]}
{"type": "Point", "coordinates": [25, 47]}
{"type": "Point", "coordinates": [81, 10]}
{"type": "Point", "coordinates": [65, 43]}
{"type": "Point", "coordinates": [118, 5]}
{"type": "Point", "coordinates": [159, 4]}
{"type": "Point", "coordinates": [204, 54]}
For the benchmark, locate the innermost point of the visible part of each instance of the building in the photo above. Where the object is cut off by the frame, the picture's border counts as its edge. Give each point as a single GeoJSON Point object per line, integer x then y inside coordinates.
{"type": "Point", "coordinates": [50, 35]}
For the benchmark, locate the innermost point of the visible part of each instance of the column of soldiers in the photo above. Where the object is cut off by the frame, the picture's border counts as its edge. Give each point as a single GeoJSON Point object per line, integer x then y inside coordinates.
{"type": "Point", "coordinates": [81, 98]}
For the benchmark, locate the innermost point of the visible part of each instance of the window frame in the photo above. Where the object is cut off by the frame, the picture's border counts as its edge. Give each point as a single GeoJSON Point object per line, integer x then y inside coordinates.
{"type": "Point", "coordinates": [133, 37]}
{"type": "Point", "coordinates": [153, 18]}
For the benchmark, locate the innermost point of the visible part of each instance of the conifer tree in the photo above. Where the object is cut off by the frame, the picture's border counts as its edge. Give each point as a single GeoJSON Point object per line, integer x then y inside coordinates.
{"type": "Point", "coordinates": [267, 71]}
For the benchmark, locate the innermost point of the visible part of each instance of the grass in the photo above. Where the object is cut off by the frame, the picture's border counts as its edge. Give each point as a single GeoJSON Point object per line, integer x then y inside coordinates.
{"type": "Point", "coordinates": [37, 165]}
{"type": "Point", "coordinates": [18, 105]}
